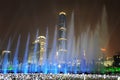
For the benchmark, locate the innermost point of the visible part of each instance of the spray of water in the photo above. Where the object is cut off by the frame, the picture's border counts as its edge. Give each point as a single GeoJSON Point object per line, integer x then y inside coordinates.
{"type": "Point", "coordinates": [6, 59]}
{"type": "Point", "coordinates": [25, 59]}
{"type": "Point", "coordinates": [15, 59]}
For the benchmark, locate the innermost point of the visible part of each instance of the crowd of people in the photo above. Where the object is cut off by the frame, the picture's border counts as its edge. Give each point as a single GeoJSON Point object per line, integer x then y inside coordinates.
{"type": "Point", "coordinates": [40, 76]}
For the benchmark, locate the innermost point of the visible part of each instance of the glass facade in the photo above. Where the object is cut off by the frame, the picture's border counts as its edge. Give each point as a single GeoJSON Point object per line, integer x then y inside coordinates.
{"type": "Point", "coordinates": [62, 36]}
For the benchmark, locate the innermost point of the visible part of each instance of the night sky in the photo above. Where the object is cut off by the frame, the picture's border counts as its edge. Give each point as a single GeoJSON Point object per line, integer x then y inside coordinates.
{"type": "Point", "coordinates": [23, 16]}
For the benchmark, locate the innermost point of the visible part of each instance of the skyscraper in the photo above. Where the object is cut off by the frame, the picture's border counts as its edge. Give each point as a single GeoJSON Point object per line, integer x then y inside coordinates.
{"type": "Point", "coordinates": [62, 36]}
{"type": "Point", "coordinates": [40, 41]}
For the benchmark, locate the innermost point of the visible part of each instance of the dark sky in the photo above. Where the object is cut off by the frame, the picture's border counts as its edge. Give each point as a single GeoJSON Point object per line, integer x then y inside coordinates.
{"type": "Point", "coordinates": [23, 16]}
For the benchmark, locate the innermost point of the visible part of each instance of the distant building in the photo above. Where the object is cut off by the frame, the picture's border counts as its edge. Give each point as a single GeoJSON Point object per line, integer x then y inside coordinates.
{"type": "Point", "coordinates": [108, 62]}
{"type": "Point", "coordinates": [4, 52]}
{"type": "Point", "coordinates": [6, 55]}
{"type": "Point", "coordinates": [40, 41]}
{"type": "Point", "coordinates": [62, 36]}
{"type": "Point", "coordinates": [116, 60]}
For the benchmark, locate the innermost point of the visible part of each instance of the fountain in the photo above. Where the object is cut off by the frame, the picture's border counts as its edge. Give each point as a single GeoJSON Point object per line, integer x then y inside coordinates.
{"type": "Point", "coordinates": [34, 56]}
{"type": "Point", "coordinates": [68, 53]}
{"type": "Point", "coordinates": [15, 59]}
{"type": "Point", "coordinates": [24, 68]}
{"type": "Point", "coordinates": [6, 59]}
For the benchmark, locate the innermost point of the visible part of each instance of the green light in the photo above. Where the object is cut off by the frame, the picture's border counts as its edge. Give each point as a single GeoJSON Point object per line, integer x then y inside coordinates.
{"type": "Point", "coordinates": [10, 68]}
{"type": "Point", "coordinates": [112, 69]}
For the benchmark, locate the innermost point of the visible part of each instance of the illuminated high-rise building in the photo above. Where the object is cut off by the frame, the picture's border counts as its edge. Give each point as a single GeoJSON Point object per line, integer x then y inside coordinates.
{"type": "Point", "coordinates": [62, 34]}
{"type": "Point", "coordinates": [42, 41]}
{"type": "Point", "coordinates": [6, 55]}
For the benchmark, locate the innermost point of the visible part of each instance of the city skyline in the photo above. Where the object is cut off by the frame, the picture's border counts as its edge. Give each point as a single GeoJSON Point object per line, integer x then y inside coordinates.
{"type": "Point", "coordinates": [21, 17]}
